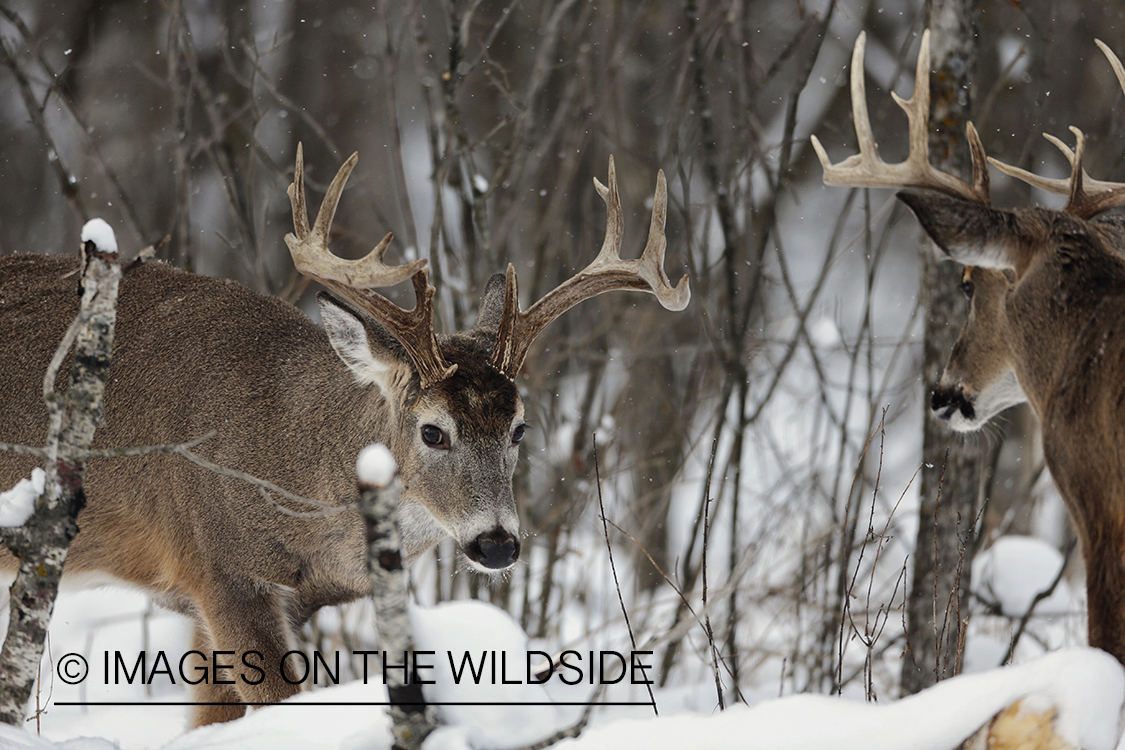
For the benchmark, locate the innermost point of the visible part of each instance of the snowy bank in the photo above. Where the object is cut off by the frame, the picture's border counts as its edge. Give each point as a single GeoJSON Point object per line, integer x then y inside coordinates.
{"type": "Point", "coordinates": [1084, 687]}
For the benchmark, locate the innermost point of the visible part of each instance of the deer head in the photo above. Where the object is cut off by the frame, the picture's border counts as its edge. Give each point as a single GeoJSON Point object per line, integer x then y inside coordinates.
{"type": "Point", "coordinates": [1029, 270]}
{"type": "Point", "coordinates": [458, 412]}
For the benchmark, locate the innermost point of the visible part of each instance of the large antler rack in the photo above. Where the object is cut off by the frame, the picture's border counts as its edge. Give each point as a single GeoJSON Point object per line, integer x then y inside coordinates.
{"type": "Point", "coordinates": [607, 272]}
{"type": "Point", "coordinates": [1086, 197]}
{"type": "Point", "coordinates": [867, 169]}
{"type": "Point", "coordinates": [354, 279]}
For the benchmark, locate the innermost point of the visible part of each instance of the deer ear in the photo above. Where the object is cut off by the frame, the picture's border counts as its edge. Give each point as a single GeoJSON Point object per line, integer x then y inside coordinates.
{"type": "Point", "coordinates": [369, 350]}
{"type": "Point", "coordinates": [491, 310]}
{"type": "Point", "coordinates": [968, 232]}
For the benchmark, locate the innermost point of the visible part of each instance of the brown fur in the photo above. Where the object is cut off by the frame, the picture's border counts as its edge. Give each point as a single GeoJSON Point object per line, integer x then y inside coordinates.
{"type": "Point", "coordinates": [1051, 311]}
{"type": "Point", "coordinates": [195, 354]}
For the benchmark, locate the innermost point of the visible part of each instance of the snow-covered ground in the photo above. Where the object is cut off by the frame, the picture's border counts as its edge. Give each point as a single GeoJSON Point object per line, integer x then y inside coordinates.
{"type": "Point", "coordinates": [1085, 686]}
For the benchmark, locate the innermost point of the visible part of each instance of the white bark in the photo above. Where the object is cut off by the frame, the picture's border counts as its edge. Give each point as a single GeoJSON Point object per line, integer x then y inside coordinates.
{"type": "Point", "coordinates": [41, 543]}
{"type": "Point", "coordinates": [412, 719]}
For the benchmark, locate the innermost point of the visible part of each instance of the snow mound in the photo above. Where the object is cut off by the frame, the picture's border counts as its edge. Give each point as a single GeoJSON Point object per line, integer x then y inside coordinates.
{"type": "Point", "coordinates": [1086, 687]}
{"type": "Point", "coordinates": [484, 634]}
{"type": "Point", "coordinates": [1015, 569]}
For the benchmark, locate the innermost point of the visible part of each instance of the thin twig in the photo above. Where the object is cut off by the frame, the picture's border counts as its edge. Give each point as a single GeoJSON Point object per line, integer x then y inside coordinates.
{"type": "Point", "coordinates": [24, 450]}
{"type": "Point", "coordinates": [326, 508]}
{"type": "Point", "coordinates": [707, 618]}
{"type": "Point", "coordinates": [575, 729]}
{"type": "Point", "coordinates": [184, 449]}
{"type": "Point", "coordinates": [613, 567]}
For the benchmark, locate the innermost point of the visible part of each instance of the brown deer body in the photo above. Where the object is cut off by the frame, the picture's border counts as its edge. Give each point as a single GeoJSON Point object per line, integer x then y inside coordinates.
{"type": "Point", "coordinates": [1046, 293]}
{"type": "Point", "coordinates": [293, 404]}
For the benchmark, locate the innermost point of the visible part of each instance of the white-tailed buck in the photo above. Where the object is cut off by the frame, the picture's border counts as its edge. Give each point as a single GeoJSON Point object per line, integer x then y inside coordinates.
{"type": "Point", "coordinates": [291, 403]}
{"type": "Point", "coordinates": [1046, 321]}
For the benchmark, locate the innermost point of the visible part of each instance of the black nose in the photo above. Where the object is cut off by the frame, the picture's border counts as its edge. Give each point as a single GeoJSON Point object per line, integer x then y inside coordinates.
{"type": "Point", "coordinates": [496, 549]}
{"type": "Point", "coordinates": [945, 401]}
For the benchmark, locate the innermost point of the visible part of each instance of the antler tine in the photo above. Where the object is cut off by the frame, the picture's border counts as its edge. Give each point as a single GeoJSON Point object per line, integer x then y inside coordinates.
{"type": "Point", "coordinates": [1086, 197]}
{"type": "Point", "coordinates": [607, 272]}
{"type": "Point", "coordinates": [354, 279]}
{"type": "Point", "coordinates": [310, 248]}
{"type": "Point", "coordinates": [1114, 62]}
{"type": "Point", "coordinates": [650, 266]}
{"type": "Point", "coordinates": [867, 168]}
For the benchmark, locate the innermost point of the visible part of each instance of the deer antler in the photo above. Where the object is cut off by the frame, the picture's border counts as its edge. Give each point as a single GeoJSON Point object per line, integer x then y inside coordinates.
{"type": "Point", "coordinates": [867, 169]}
{"type": "Point", "coordinates": [1086, 197]}
{"type": "Point", "coordinates": [606, 273]}
{"type": "Point", "coordinates": [354, 279]}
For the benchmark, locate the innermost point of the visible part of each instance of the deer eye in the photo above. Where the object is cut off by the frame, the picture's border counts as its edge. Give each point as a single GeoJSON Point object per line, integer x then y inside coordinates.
{"type": "Point", "coordinates": [435, 437]}
{"type": "Point", "coordinates": [967, 290]}
{"type": "Point", "coordinates": [517, 434]}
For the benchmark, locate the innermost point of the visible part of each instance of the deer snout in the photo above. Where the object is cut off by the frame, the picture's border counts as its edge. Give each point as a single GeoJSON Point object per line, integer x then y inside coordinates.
{"type": "Point", "coordinates": [496, 549]}
{"type": "Point", "coordinates": [948, 400]}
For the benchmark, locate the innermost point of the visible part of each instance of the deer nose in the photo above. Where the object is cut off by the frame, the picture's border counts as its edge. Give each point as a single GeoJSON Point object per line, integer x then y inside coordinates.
{"type": "Point", "coordinates": [496, 549]}
{"type": "Point", "coordinates": [949, 400]}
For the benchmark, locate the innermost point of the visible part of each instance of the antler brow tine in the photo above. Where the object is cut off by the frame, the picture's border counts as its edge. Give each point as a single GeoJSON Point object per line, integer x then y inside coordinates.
{"type": "Point", "coordinates": [354, 279]}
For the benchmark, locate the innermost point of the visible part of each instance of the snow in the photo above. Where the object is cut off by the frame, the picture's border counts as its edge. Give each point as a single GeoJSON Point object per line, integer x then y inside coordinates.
{"type": "Point", "coordinates": [459, 629]}
{"type": "Point", "coordinates": [1015, 569]}
{"type": "Point", "coordinates": [375, 466]}
{"type": "Point", "coordinates": [825, 333]}
{"type": "Point", "coordinates": [1085, 686]}
{"type": "Point", "coordinates": [101, 234]}
{"type": "Point", "coordinates": [18, 503]}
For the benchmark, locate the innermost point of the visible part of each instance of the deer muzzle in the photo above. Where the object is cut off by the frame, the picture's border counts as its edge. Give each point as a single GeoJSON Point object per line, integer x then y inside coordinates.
{"type": "Point", "coordinates": [947, 401]}
{"type": "Point", "coordinates": [495, 549]}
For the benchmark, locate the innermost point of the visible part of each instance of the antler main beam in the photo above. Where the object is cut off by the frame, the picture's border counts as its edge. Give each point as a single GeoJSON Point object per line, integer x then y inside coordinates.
{"type": "Point", "coordinates": [867, 169]}
{"type": "Point", "coordinates": [354, 280]}
{"type": "Point", "coordinates": [607, 272]}
{"type": "Point", "coordinates": [1086, 197]}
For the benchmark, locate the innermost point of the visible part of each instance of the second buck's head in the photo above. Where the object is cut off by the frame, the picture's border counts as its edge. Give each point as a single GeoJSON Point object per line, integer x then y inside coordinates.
{"type": "Point", "coordinates": [454, 418]}
{"type": "Point", "coordinates": [1032, 276]}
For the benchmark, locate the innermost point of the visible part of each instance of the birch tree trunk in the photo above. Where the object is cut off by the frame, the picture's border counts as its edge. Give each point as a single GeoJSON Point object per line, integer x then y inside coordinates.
{"type": "Point", "coordinates": [412, 720]}
{"type": "Point", "coordinates": [41, 543]}
{"type": "Point", "coordinates": [937, 605]}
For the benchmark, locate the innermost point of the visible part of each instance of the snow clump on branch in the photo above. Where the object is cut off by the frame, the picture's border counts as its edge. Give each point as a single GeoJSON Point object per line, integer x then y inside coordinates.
{"type": "Point", "coordinates": [18, 503]}
{"type": "Point", "coordinates": [375, 466]}
{"type": "Point", "coordinates": [101, 234]}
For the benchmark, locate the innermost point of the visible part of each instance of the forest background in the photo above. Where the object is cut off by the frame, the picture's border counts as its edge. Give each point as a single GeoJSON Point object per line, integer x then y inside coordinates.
{"type": "Point", "coordinates": [786, 407]}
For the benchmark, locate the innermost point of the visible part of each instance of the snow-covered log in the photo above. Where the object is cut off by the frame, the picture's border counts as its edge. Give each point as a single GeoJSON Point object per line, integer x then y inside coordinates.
{"type": "Point", "coordinates": [1020, 727]}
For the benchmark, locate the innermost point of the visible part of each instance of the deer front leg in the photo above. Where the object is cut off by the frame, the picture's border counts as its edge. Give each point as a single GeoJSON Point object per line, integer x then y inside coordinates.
{"type": "Point", "coordinates": [213, 701]}
{"type": "Point", "coordinates": [247, 633]}
{"type": "Point", "coordinates": [1105, 596]}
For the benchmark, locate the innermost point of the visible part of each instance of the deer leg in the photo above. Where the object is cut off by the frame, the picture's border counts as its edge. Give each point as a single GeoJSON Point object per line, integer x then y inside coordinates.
{"type": "Point", "coordinates": [213, 700]}
{"type": "Point", "coordinates": [1105, 599]}
{"type": "Point", "coordinates": [249, 633]}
